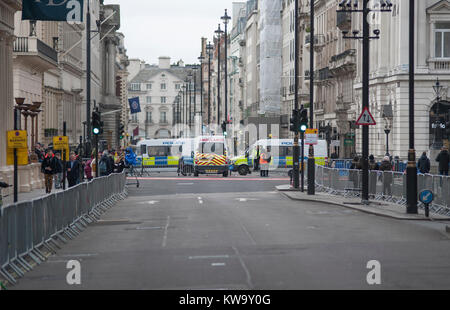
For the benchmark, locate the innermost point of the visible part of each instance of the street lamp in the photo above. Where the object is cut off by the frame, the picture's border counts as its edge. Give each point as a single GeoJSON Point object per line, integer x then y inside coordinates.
{"type": "Point", "coordinates": [190, 98]}
{"type": "Point", "coordinates": [387, 131]}
{"type": "Point", "coordinates": [219, 35]}
{"type": "Point", "coordinates": [349, 6]}
{"type": "Point", "coordinates": [209, 49]}
{"type": "Point", "coordinates": [226, 19]}
{"type": "Point", "coordinates": [437, 143]}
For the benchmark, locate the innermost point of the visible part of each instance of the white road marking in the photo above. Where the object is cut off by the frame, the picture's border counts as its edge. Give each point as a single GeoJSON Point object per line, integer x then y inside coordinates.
{"type": "Point", "coordinates": [248, 234]}
{"type": "Point", "coordinates": [209, 257]}
{"type": "Point", "coordinates": [164, 243]}
{"type": "Point", "coordinates": [185, 183]}
{"type": "Point", "coordinates": [246, 199]}
{"type": "Point", "coordinates": [218, 264]}
{"type": "Point", "coordinates": [151, 202]}
{"type": "Point", "coordinates": [200, 200]}
{"type": "Point", "coordinates": [247, 272]}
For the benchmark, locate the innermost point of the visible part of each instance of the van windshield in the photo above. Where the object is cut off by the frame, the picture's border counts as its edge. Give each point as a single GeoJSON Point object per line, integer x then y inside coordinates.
{"type": "Point", "coordinates": [212, 148]}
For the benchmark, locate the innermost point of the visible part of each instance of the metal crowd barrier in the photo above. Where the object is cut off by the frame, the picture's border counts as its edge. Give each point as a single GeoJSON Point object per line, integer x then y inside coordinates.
{"type": "Point", "coordinates": [383, 186]}
{"type": "Point", "coordinates": [30, 227]}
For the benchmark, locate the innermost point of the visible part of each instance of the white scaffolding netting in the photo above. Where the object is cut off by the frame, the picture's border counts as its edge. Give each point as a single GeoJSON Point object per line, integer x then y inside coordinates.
{"type": "Point", "coordinates": [270, 56]}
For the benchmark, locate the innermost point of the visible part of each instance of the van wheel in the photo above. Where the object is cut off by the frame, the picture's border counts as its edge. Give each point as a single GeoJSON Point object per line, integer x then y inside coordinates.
{"type": "Point", "coordinates": [243, 170]}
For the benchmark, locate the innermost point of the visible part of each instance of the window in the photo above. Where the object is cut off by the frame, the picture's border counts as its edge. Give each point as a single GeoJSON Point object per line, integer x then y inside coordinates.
{"type": "Point", "coordinates": [149, 117]}
{"type": "Point", "coordinates": [442, 40]}
{"type": "Point", "coordinates": [163, 118]}
{"type": "Point", "coordinates": [163, 99]}
{"type": "Point", "coordinates": [163, 86]}
{"type": "Point", "coordinates": [148, 99]}
{"type": "Point", "coordinates": [212, 148]}
{"type": "Point", "coordinates": [177, 86]}
{"type": "Point", "coordinates": [159, 151]}
{"type": "Point", "coordinates": [135, 86]}
{"type": "Point", "coordinates": [134, 118]}
{"type": "Point", "coordinates": [149, 86]}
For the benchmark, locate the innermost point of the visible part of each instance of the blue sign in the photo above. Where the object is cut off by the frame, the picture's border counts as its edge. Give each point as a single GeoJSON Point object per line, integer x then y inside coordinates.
{"type": "Point", "coordinates": [135, 106]}
{"type": "Point", "coordinates": [426, 197]}
{"type": "Point", "coordinates": [53, 10]}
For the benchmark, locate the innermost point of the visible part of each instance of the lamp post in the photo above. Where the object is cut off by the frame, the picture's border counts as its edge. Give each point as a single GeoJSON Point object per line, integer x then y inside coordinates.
{"type": "Point", "coordinates": [387, 131]}
{"type": "Point", "coordinates": [209, 49]}
{"type": "Point", "coordinates": [437, 144]}
{"type": "Point", "coordinates": [411, 171]}
{"type": "Point", "coordinates": [219, 35]}
{"type": "Point", "coordinates": [296, 147]}
{"type": "Point", "coordinates": [226, 20]}
{"type": "Point", "coordinates": [311, 159]}
{"type": "Point", "coordinates": [190, 99]}
{"type": "Point", "coordinates": [349, 6]}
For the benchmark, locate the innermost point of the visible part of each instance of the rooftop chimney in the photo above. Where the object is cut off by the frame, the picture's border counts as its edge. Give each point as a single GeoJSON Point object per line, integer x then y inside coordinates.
{"type": "Point", "coordinates": [164, 62]}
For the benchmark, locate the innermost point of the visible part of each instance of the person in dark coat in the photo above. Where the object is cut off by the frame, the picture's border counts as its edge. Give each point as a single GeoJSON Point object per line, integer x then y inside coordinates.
{"type": "Point", "coordinates": [386, 167]}
{"type": "Point", "coordinates": [48, 168]}
{"type": "Point", "coordinates": [424, 165]}
{"type": "Point", "coordinates": [353, 174]}
{"type": "Point", "coordinates": [104, 166]}
{"type": "Point", "coordinates": [111, 163]}
{"type": "Point", "coordinates": [373, 167]}
{"type": "Point", "coordinates": [443, 159]}
{"type": "Point", "coordinates": [73, 171]}
{"type": "Point", "coordinates": [58, 171]}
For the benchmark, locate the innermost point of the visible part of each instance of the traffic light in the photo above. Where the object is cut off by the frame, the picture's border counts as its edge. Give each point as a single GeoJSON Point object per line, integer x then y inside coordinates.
{"type": "Point", "coordinates": [224, 128]}
{"type": "Point", "coordinates": [303, 120]}
{"type": "Point", "coordinates": [122, 132]}
{"type": "Point", "coordinates": [294, 121]}
{"type": "Point", "coordinates": [97, 124]}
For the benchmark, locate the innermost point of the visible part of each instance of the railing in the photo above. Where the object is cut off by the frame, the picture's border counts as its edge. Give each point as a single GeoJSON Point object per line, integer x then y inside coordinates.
{"type": "Point", "coordinates": [383, 186]}
{"type": "Point", "coordinates": [30, 227]}
{"type": "Point", "coordinates": [440, 64]}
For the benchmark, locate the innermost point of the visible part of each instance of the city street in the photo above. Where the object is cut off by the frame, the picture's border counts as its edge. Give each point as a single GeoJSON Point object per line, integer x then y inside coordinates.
{"type": "Point", "coordinates": [239, 233]}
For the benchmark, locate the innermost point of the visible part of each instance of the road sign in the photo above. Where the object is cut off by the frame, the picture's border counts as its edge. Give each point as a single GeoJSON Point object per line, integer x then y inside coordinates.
{"type": "Point", "coordinates": [426, 197]}
{"type": "Point", "coordinates": [22, 157]}
{"type": "Point", "coordinates": [349, 142]}
{"type": "Point", "coordinates": [17, 139]}
{"type": "Point", "coordinates": [312, 136]}
{"type": "Point", "coordinates": [60, 143]}
{"type": "Point", "coordinates": [366, 118]}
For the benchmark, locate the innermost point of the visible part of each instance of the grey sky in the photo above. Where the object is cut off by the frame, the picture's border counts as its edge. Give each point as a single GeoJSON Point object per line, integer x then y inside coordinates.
{"type": "Point", "coordinates": [154, 28]}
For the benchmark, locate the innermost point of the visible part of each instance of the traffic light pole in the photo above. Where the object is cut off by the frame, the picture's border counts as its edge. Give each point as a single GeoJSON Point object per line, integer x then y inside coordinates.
{"type": "Point", "coordinates": [88, 81]}
{"type": "Point", "coordinates": [311, 160]}
{"type": "Point", "coordinates": [296, 153]}
{"type": "Point", "coordinates": [365, 102]}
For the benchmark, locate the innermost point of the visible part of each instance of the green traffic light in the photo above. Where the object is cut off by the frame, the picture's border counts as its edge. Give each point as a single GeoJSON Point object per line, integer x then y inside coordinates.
{"type": "Point", "coordinates": [303, 128]}
{"type": "Point", "coordinates": [96, 131]}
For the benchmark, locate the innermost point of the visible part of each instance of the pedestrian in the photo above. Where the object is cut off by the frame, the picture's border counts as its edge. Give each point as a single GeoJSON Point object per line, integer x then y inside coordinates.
{"type": "Point", "coordinates": [104, 164]}
{"type": "Point", "coordinates": [386, 168]}
{"type": "Point", "coordinates": [257, 158]}
{"type": "Point", "coordinates": [373, 167]}
{"type": "Point", "coordinates": [88, 169]}
{"type": "Point", "coordinates": [264, 163]}
{"type": "Point", "coordinates": [111, 162]}
{"type": "Point", "coordinates": [354, 173]}
{"type": "Point", "coordinates": [73, 171]}
{"type": "Point", "coordinates": [443, 159]}
{"type": "Point", "coordinates": [48, 168]}
{"type": "Point", "coordinates": [59, 171]}
{"type": "Point", "coordinates": [120, 166]}
{"type": "Point", "coordinates": [424, 164]}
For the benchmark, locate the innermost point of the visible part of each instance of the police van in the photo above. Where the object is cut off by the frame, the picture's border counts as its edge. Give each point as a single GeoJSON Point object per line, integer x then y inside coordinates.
{"type": "Point", "coordinates": [211, 156]}
{"type": "Point", "coordinates": [281, 151]}
{"type": "Point", "coordinates": [186, 162]}
{"type": "Point", "coordinates": [159, 154]}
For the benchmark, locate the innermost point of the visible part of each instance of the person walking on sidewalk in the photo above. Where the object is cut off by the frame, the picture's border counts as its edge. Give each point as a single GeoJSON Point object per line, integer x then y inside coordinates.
{"type": "Point", "coordinates": [386, 167]}
{"type": "Point", "coordinates": [443, 159]}
{"type": "Point", "coordinates": [58, 171]}
{"type": "Point", "coordinates": [48, 168]}
{"type": "Point", "coordinates": [424, 165]}
{"type": "Point", "coordinates": [73, 171]}
{"type": "Point", "coordinates": [264, 163]}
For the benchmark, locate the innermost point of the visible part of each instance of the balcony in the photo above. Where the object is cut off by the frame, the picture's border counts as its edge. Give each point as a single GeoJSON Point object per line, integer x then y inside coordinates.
{"type": "Point", "coordinates": [343, 62]}
{"type": "Point", "coordinates": [439, 64]}
{"type": "Point", "coordinates": [344, 21]}
{"type": "Point", "coordinates": [35, 52]}
{"type": "Point", "coordinates": [319, 42]}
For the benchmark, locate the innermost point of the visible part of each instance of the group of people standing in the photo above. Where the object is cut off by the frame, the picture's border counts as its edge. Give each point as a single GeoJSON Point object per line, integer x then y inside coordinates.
{"type": "Point", "coordinates": [78, 170]}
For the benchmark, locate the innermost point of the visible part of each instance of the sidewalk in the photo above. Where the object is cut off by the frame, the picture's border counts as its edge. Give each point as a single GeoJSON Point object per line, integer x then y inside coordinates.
{"type": "Point", "coordinates": [27, 196]}
{"type": "Point", "coordinates": [385, 209]}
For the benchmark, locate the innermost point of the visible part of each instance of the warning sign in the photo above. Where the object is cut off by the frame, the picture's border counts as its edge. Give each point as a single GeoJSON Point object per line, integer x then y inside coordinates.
{"type": "Point", "coordinates": [17, 139]}
{"type": "Point", "coordinates": [60, 143]}
{"type": "Point", "coordinates": [366, 118]}
{"type": "Point", "coordinates": [312, 136]}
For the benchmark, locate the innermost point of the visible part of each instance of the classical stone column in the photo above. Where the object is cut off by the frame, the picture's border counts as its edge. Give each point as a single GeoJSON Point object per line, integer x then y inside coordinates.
{"type": "Point", "coordinates": [111, 91]}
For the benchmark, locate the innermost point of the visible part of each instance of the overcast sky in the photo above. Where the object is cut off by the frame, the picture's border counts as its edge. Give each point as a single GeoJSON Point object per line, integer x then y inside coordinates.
{"type": "Point", "coordinates": [174, 28]}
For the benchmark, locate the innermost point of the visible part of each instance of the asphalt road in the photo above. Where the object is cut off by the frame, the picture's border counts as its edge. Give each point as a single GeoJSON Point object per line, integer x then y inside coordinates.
{"type": "Point", "coordinates": [238, 233]}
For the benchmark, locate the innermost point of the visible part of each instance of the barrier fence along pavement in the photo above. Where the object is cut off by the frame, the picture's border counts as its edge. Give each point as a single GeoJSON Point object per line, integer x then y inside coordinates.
{"type": "Point", "coordinates": [384, 186]}
{"type": "Point", "coordinates": [27, 228]}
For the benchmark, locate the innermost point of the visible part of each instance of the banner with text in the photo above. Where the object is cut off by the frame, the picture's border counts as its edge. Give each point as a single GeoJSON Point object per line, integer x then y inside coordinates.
{"type": "Point", "coordinates": [53, 10]}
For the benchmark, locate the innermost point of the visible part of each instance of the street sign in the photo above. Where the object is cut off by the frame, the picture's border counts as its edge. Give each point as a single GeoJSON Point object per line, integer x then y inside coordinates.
{"type": "Point", "coordinates": [349, 142]}
{"type": "Point", "coordinates": [312, 136]}
{"type": "Point", "coordinates": [65, 11]}
{"type": "Point", "coordinates": [426, 197]}
{"type": "Point", "coordinates": [22, 157]}
{"type": "Point", "coordinates": [17, 139]}
{"type": "Point", "coordinates": [60, 143]}
{"type": "Point", "coordinates": [335, 143]}
{"type": "Point", "coordinates": [366, 118]}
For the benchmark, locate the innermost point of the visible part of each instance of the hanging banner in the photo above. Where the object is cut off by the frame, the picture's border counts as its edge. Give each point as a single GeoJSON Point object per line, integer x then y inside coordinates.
{"type": "Point", "coordinates": [53, 10]}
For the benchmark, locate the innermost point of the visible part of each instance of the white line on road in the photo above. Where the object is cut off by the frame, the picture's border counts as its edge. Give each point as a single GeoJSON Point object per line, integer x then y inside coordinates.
{"type": "Point", "coordinates": [164, 243]}
{"type": "Point", "coordinates": [248, 234]}
{"type": "Point", "coordinates": [209, 256]}
{"type": "Point", "coordinates": [200, 200]}
{"type": "Point", "coordinates": [185, 183]}
{"type": "Point", "coordinates": [247, 272]}
{"type": "Point", "coordinates": [218, 264]}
